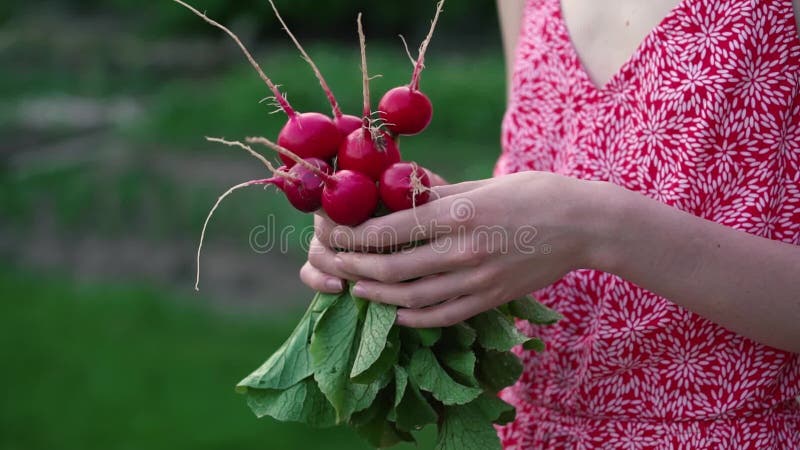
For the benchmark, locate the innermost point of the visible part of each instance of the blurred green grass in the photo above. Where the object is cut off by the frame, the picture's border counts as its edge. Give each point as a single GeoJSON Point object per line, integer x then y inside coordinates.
{"type": "Point", "coordinates": [128, 367]}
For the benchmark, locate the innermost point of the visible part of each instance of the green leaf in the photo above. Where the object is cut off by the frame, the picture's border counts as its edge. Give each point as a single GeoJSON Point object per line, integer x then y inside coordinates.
{"type": "Point", "coordinates": [498, 370]}
{"type": "Point", "coordinates": [385, 361]}
{"type": "Point", "coordinates": [429, 336]}
{"type": "Point", "coordinates": [414, 411]}
{"type": "Point", "coordinates": [495, 409]}
{"type": "Point", "coordinates": [302, 402]}
{"type": "Point", "coordinates": [380, 319]}
{"type": "Point", "coordinates": [331, 353]}
{"type": "Point", "coordinates": [361, 304]}
{"type": "Point", "coordinates": [290, 363]}
{"type": "Point", "coordinates": [496, 331]}
{"type": "Point", "coordinates": [459, 335]}
{"type": "Point", "coordinates": [400, 382]}
{"type": "Point", "coordinates": [534, 344]}
{"type": "Point", "coordinates": [409, 341]}
{"type": "Point", "coordinates": [372, 425]}
{"type": "Point", "coordinates": [504, 309]}
{"type": "Point", "coordinates": [323, 301]}
{"type": "Point", "coordinates": [361, 396]}
{"type": "Point", "coordinates": [465, 428]}
{"type": "Point", "coordinates": [426, 372]}
{"type": "Point", "coordinates": [461, 364]}
{"type": "Point", "coordinates": [528, 308]}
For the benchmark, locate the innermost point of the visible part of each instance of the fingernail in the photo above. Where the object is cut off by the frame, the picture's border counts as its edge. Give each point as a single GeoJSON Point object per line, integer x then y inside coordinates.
{"type": "Point", "coordinates": [400, 316]}
{"type": "Point", "coordinates": [334, 284]}
{"type": "Point", "coordinates": [359, 290]}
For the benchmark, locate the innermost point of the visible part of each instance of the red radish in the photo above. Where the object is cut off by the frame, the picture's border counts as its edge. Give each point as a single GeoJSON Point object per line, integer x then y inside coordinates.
{"type": "Point", "coordinates": [404, 185]}
{"type": "Point", "coordinates": [368, 155]}
{"type": "Point", "coordinates": [345, 123]}
{"type": "Point", "coordinates": [348, 197]}
{"type": "Point", "coordinates": [304, 189]}
{"type": "Point", "coordinates": [307, 134]}
{"type": "Point", "coordinates": [405, 109]}
{"type": "Point", "coordinates": [367, 150]}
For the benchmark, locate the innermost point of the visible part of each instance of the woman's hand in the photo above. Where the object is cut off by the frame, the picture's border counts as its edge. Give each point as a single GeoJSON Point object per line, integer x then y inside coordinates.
{"type": "Point", "coordinates": [482, 243]}
{"type": "Point", "coordinates": [490, 241]}
{"type": "Point", "coordinates": [319, 272]}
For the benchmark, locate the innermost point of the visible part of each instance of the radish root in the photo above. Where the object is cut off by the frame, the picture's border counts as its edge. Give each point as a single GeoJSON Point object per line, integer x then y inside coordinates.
{"type": "Point", "coordinates": [272, 101]}
{"type": "Point", "coordinates": [284, 104]}
{"type": "Point", "coordinates": [288, 153]}
{"type": "Point", "coordinates": [408, 52]}
{"type": "Point", "coordinates": [211, 213]}
{"type": "Point", "coordinates": [423, 48]}
{"type": "Point", "coordinates": [417, 188]}
{"type": "Point", "coordinates": [337, 111]}
{"type": "Point", "coordinates": [250, 150]}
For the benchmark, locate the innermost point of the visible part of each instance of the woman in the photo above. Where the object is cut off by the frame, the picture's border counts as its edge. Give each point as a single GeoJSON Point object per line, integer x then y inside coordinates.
{"type": "Point", "coordinates": [651, 154]}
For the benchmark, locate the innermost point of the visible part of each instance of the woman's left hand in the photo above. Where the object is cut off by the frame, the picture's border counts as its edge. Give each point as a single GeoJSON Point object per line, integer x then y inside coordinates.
{"type": "Point", "coordinates": [484, 243]}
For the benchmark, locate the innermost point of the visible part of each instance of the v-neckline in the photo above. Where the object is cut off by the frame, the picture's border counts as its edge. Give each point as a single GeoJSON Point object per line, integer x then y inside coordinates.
{"type": "Point", "coordinates": [562, 23]}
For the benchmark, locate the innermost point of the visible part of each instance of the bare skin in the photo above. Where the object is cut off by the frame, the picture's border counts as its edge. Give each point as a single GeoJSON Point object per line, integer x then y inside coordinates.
{"type": "Point", "coordinates": [604, 33]}
{"type": "Point", "coordinates": [748, 284]}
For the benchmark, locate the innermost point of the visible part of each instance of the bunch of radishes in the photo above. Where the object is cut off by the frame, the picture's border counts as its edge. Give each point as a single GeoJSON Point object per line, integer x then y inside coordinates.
{"type": "Point", "coordinates": [344, 164]}
{"type": "Point", "coordinates": [348, 361]}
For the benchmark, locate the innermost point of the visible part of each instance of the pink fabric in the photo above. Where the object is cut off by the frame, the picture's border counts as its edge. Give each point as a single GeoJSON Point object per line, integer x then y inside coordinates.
{"type": "Point", "coordinates": [705, 117]}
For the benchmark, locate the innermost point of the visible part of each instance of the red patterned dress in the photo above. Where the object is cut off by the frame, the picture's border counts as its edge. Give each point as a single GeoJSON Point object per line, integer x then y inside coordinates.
{"type": "Point", "coordinates": [705, 117]}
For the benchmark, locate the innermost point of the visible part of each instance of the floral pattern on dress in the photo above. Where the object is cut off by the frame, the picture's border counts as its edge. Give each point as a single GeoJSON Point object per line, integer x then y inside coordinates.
{"type": "Point", "coordinates": [704, 117]}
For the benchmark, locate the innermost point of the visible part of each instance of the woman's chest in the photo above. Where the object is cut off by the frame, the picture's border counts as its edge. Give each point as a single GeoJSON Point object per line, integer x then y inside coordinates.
{"type": "Point", "coordinates": [605, 33]}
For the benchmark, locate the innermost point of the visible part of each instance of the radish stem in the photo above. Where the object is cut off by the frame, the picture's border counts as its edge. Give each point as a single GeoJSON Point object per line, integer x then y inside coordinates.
{"type": "Point", "coordinates": [250, 150]}
{"type": "Point", "coordinates": [337, 112]}
{"type": "Point", "coordinates": [362, 42]}
{"type": "Point", "coordinates": [414, 85]}
{"type": "Point", "coordinates": [289, 154]}
{"type": "Point", "coordinates": [284, 104]}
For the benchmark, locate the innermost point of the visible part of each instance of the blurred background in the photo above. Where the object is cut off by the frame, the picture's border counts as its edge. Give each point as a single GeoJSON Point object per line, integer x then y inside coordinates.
{"type": "Point", "coordinates": [105, 179]}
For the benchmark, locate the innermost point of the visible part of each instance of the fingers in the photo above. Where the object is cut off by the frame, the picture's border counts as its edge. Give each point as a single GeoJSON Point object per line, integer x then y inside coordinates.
{"type": "Point", "coordinates": [411, 225]}
{"type": "Point", "coordinates": [435, 178]}
{"type": "Point", "coordinates": [445, 190]}
{"type": "Point", "coordinates": [426, 291]}
{"type": "Point", "coordinates": [323, 226]}
{"type": "Point", "coordinates": [425, 259]}
{"type": "Point", "coordinates": [435, 218]}
{"type": "Point", "coordinates": [444, 314]}
{"type": "Point", "coordinates": [324, 259]}
{"type": "Point", "coordinates": [320, 281]}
